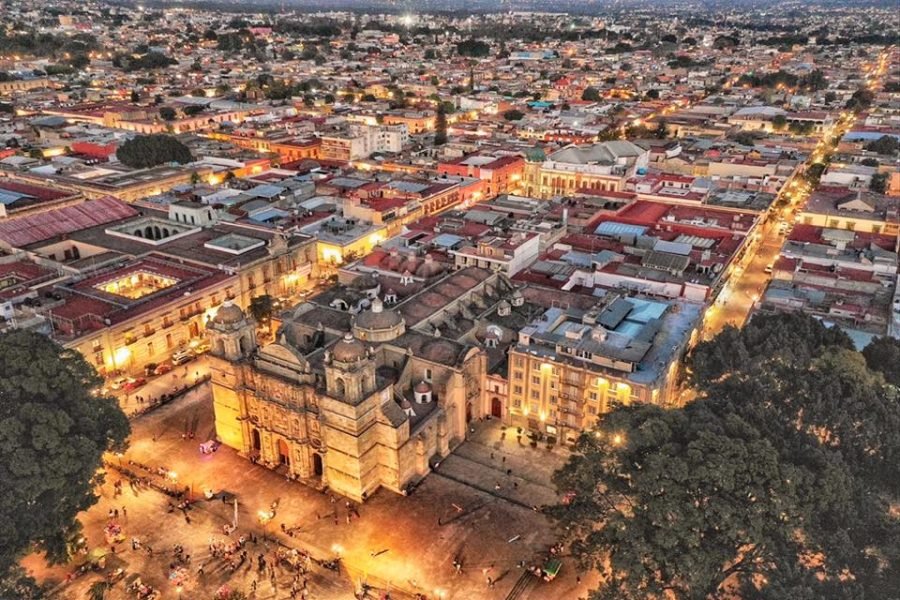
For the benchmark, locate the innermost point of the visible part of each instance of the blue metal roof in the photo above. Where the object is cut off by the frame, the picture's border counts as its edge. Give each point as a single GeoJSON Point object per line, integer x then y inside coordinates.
{"type": "Point", "coordinates": [447, 240]}
{"type": "Point", "coordinates": [611, 228]}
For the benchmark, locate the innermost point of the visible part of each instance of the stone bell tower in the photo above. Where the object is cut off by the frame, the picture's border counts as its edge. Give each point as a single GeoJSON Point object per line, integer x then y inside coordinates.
{"type": "Point", "coordinates": [232, 334]}
{"type": "Point", "coordinates": [349, 371]}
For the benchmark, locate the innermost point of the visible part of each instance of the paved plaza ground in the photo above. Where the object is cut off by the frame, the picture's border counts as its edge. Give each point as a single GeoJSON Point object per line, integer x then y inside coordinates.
{"type": "Point", "coordinates": [402, 544]}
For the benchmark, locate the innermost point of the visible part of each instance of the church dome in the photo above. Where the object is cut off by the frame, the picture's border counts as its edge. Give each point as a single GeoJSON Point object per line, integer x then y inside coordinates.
{"type": "Point", "coordinates": [422, 387]}
{"type": "Point", "coordinates": [228, 314]}
{"type": "Point", "coordinates": [349, 349]}
{"type": "Point", "coordinates": [378, 317]}
{"type": "Point", "coordinates": [429, 268]}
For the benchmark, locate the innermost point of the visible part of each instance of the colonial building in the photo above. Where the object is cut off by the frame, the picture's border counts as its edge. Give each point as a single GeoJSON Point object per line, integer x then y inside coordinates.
{"type": "Point", "coordinates": [358, 397]}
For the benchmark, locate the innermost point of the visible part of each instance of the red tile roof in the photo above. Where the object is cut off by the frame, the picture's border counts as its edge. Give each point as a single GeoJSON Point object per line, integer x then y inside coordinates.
{"type": "Point", "coordinates": [29, 229]}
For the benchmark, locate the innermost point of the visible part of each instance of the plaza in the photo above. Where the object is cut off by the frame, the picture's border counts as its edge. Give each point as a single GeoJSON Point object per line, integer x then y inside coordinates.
{"type": "Point", "coordinates": [400, 545]}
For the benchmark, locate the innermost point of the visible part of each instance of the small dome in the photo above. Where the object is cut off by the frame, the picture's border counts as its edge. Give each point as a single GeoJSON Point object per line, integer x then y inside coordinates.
{"type": "Point", "coordinates": [228, 314]}
{"type": "Point", "coordinates": [364, 282]}
{"type": "Point", "coordinates": [429, 268]}
{"type": "Point", "coordinates": [423, 387]}
{"type": "Point", "coordinates": [377, 317]}
{"type": "Point", "coordinates": [349, 349]}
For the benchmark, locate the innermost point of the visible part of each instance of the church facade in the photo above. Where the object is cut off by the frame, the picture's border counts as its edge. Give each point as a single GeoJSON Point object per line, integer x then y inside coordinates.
{"type": "Point", "coordinates": [353, 401]}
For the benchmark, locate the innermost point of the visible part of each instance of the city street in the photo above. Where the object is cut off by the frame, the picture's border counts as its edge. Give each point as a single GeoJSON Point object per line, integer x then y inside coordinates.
{"type": "Point", "coordinates": [405, 545]}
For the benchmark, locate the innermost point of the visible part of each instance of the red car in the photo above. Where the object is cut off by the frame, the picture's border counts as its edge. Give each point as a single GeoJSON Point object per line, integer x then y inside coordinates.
{"type": "Point", "coordinates": [162, 368]}
{"type": "Point", "coordinates": [133, 383]}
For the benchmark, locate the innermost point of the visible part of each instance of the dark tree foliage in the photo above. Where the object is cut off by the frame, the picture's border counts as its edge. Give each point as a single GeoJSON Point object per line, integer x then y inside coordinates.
{"type": "Point", "coordinates": [144, 151]}
{"type": "Point", "coordinates": [54, 429]}
{"type": "Point", "coordinates": [261, 308]}
{"type": "Point", "coordinates": [886, 144]}
{"type": "Point", "coordinates": [513, 115]}
{"type": "Point", "coordinates": [474, 48]}
{"type": "Point", "coordinates": [591, 94]}
{"type": "Point", "coordinates": [878, 183]}
{"type": "Point", "coordinates": [883, 355]}
{"type": "Point", "coordinates": [440, 127]}
{"type": "Point", "coordinates": [791, 338]}
{"type": "Point", "coordinates": [148, 61]}
{"type": "Point", "coordinates": [783, 472]}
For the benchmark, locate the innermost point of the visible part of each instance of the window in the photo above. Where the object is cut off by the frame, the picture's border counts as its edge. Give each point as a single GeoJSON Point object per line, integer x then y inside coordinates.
{"type": "Point", "coordinates": [552, 399]}
{"type": "Point", "coordinates": [593, 396]}
{"type": "Point", "coordinates": [517, 389]}
{"type": "Point", "coordinates": [536, 379]}
{"type": "Point", "coordinates": [592, 410]}
{"type": "Point", "coordinates": [517, 403]}
{"type": "Point", "coordinates": [518, 375]}
{"type": "Point", "coordinates": [535, 395]}
{"type": "Point", "coordinates": [428, 374]}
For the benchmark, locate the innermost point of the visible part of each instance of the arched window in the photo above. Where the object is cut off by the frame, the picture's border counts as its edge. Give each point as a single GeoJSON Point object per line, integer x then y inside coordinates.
{"type": "Point", "coordinates": [340, 387]}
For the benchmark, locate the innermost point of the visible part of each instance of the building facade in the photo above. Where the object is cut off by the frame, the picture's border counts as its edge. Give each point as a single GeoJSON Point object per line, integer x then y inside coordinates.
{"type": "Point", "coordinates": [372, 407]}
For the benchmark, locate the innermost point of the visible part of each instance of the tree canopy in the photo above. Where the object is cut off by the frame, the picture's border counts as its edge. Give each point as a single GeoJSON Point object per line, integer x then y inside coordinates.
{"type": "Point", "coordinates": [144, 151]}
{"type": "Point", "coordinates": [474, 48]}
{"type": "Point", "coordinates": [886, 144]}
{"type": "Point", "coordinates": [54, 429]}
{"type": "Point", "coordinates": [775, 483]}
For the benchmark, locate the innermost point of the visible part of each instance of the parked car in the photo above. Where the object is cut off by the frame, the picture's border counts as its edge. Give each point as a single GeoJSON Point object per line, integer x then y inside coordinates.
{"type": "Point", "coordinates": [133, 383]}
{"type": "Point", "coordinates": [162, 368]}
{"type": "Point", "coordinates": [183, 356]}
{"type": "Point", "coordinates": [118, 383]}
{"type": "Point", "coordinates": [769, 268]}
{"type": "Point", "coordinates": [202, 349]}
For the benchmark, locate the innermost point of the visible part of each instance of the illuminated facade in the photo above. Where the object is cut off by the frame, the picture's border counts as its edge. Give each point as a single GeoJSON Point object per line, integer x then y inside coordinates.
{"type": "Point", "coordinates": [352, 411]}
{"type": "Point", "coordinates": [570, 366]}
{"type": "Point", "coordinates": [604, 166]}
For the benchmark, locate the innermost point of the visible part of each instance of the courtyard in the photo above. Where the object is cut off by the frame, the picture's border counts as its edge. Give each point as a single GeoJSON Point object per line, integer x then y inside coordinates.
{"type": "Point", "coordinates": [477, 508]}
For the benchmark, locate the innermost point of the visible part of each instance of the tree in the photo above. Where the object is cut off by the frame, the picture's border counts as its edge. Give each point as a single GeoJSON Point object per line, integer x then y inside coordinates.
{"type": "Point", "coordinates": [790, 338]}
{"type": "Point", "coordinates": [662, 130]}
{"type": "Point", "coordinates": [775, 483]}
{"type": "Point", "coordinates": [135, 97]}
{"type": "Point", "coordinates": [144, 151]}
{"type": "Point", "coordinates": [591, 94]}
{"type": "Point", "coordinates": [167, 113]}
{"type": "Point", "coordinates": [98, 590]}
{"type": "Point", "coordinates": [440, 127]}
{"type": "Point", "coordinates": [54, 429]}
{"type": "Point", "coordinates": [261, 308]}
{"type": "Point", "coordinates": [474, 48]}
{"type": "Point", "coordinates": [671, 490]}
{"type": "Point", "coordinates": [779, 122]}
{"type": "Point", "coordinates": [883, 355]}
{"type": "Point", "coordinates": [887, 145]}
{"type": "Point", "coordinates": [513, 115]}
{"type": "Point", "coordinates": [878, 183]}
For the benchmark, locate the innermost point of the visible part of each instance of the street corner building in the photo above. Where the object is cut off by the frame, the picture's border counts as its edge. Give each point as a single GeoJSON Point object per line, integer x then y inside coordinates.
{"type": "Point", "coordinates": [356, 400]}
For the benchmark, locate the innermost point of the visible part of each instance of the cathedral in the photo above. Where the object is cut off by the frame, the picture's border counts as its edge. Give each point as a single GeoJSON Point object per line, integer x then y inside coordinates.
{"type": "Point", "coordinates": [356, 393]}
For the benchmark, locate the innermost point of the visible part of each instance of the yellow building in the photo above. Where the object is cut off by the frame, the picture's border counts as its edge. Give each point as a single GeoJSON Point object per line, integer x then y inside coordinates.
{"type": "Point", "coordinates": [353, 411]}
{"type": "Point", "coordinates": [569, 366]}
{"type": "Point", "coordinates": [602, 166]}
